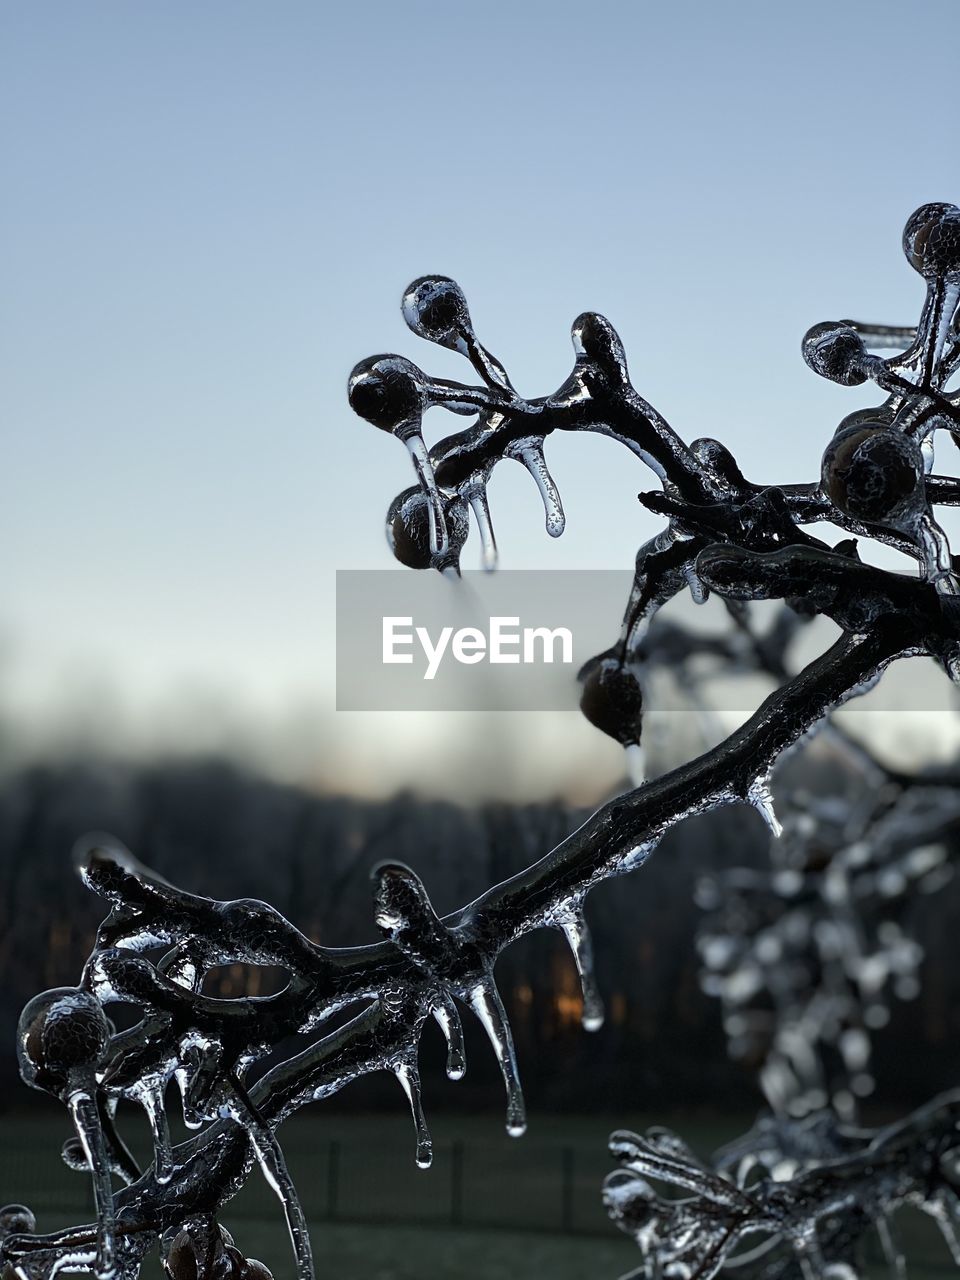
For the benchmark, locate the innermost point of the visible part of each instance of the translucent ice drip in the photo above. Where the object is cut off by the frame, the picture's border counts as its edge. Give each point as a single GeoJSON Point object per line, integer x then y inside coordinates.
{"type": "Point", "coordinates": [150, 1098]}
{"type": "Point", "coordinates": [409, 1078]}
{"type": "Point", "coordinates": [698, 592]}
{"type": "Point", "coordinates": [477, 496]}
{"type": "Point", "coordinates": [273, 1166]}
{"type": "Point", "coordinates": [759, 795]}
{"type": "Point", "coordinates": [424, 469]}
{"type": "Point", "coordinates": [484, 1000]}
{"type": "Point", "coordinates": [83, 1110]}
{"type": "Point", "coordinates": [530, 453]}
{"type": "Point", "coordinates": [448, 1020]}
{"type": "Point", "coordinates": [198, 1076]}
{"type": "Point", "coordinates": [577, 934]}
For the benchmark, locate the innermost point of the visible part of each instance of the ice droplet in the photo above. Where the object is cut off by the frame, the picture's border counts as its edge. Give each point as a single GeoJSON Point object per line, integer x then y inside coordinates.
{"type": "Point", "coordinates": [409, 1078]}
{"type": "Point", "coordinates": [449, 1021]}
{"type": "Point", "coordinates": [484, 1000]}
{"type": "Point", "coordinates": [477, 494]}
{"type": "Point", "coordinates": [577, 934]}
{"type": "Point", "coordinates": [531, 455]}
{"type": "Point", "coordinates": [424, 469]}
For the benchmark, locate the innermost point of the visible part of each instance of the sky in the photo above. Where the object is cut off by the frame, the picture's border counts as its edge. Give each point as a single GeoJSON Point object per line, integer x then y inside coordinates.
{"type": "Point", "coordinates": [210, 213]}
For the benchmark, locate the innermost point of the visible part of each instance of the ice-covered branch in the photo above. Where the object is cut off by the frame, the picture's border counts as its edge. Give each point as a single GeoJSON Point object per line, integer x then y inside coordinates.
{"type": "Point", "coordinates": [724, 534]}
{"type": "Point", "coordinates": [427, 967]}
{"type": "Point", "coordinates": [815, 1219]}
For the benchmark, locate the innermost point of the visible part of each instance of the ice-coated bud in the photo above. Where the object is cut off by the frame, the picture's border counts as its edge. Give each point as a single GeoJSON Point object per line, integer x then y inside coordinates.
{"type": "Point", "coordinates": [596, 340]}
{"type": "Point", "coordinates": [400, 900]}
{"type": "Point", "coordinates": [404, 914]}
{"type": "Point", "coordinates": [612, 701]}
{"type": "Point", "coordinates": [409, 520]}
{"type": "Point", "coordinates": [434, 307]}
{"type": "Point", "coordinates": [61, 1033]}
{"type": "Point", "coordinates": [108, 868]}
{"type": "Point", "coordinates": [719, 459]}
{"type": "Point", "coordinates": [835, 351]}
{"type": "Point", "coordinates": [872, 472]}
{"type": "Point", "coordinates": [389, 392]}
{"type": "Point", "coordinates": [931, 241]}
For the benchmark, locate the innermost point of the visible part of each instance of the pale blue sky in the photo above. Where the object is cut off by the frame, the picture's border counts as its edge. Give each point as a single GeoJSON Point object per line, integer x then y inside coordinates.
{"type": "Point", "coordinates": [210, 212]}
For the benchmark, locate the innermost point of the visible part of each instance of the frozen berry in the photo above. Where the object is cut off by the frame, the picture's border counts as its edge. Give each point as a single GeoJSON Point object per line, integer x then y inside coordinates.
{"type": "Point", "coordinates": [434, 307]}
{"type": "Point", "coordinates": [931, 241]}
{"type": "Point", "coordinates": [612, 701]}
{"type": "Point", "coordinates": [872, 472]}
{"type": "Point", "coordinates": [16, 1219]}
{"type": "Point", "coordinates": [835, 351]}
{"type": "Point", "coordinates": [61, 1035]}
{"type": "Point", "coordinates": [388, 391]}
{"type": "Point", "coordinates": [409, 522]}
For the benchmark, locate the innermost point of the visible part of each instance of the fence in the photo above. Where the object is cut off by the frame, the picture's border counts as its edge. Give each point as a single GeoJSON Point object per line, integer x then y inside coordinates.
{"type": "Point", "coordinates": [519, 1185]}
{"type": "Point", "coordinates": [548, 1187]}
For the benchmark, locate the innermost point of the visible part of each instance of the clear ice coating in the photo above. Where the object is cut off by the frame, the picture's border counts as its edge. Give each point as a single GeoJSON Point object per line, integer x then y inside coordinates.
{"type": "Point", "coordinates": [795, 1196]}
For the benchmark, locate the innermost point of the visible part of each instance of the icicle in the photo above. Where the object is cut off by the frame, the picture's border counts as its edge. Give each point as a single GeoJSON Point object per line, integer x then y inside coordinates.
{"type": "Point", "coordinates": [449, 1021]}
{"type": "Point", "coordinates": [477, 495]}
{"type": "Point", "coordinates": [759, 796]}
{"type": "Point", "coordinates": [197, 1076]}
{"type": "Point", "coordinates": [891, 1247]}
{"type": "Point", "coordinates": [409, 1078]}
{"type": "Point", "coordinates": [636, 763]}
{"type": "Point", "coordinates": [485, 1002]}
{"type": "Point", "coordinates": [424, 469]}
{"type": "Point", "coordinates": [699, 594]}
{"type": "Point", "coordinates": [943, 1207]}
{"type": "Point", "coordinates": [273, 1166]}
{"type": "Point", "coordinates": [151, 1099]}
{"type": "Point", "coordinates": [86, 1121]}
{"type": "Point", "coordinates": [577, 934]}
{"type": "Point", "coordinates": [531, 455]}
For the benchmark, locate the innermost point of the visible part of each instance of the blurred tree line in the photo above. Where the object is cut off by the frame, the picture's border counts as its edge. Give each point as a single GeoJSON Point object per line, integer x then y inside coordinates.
{"type": "Point", "coordinates": [217, 830]}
